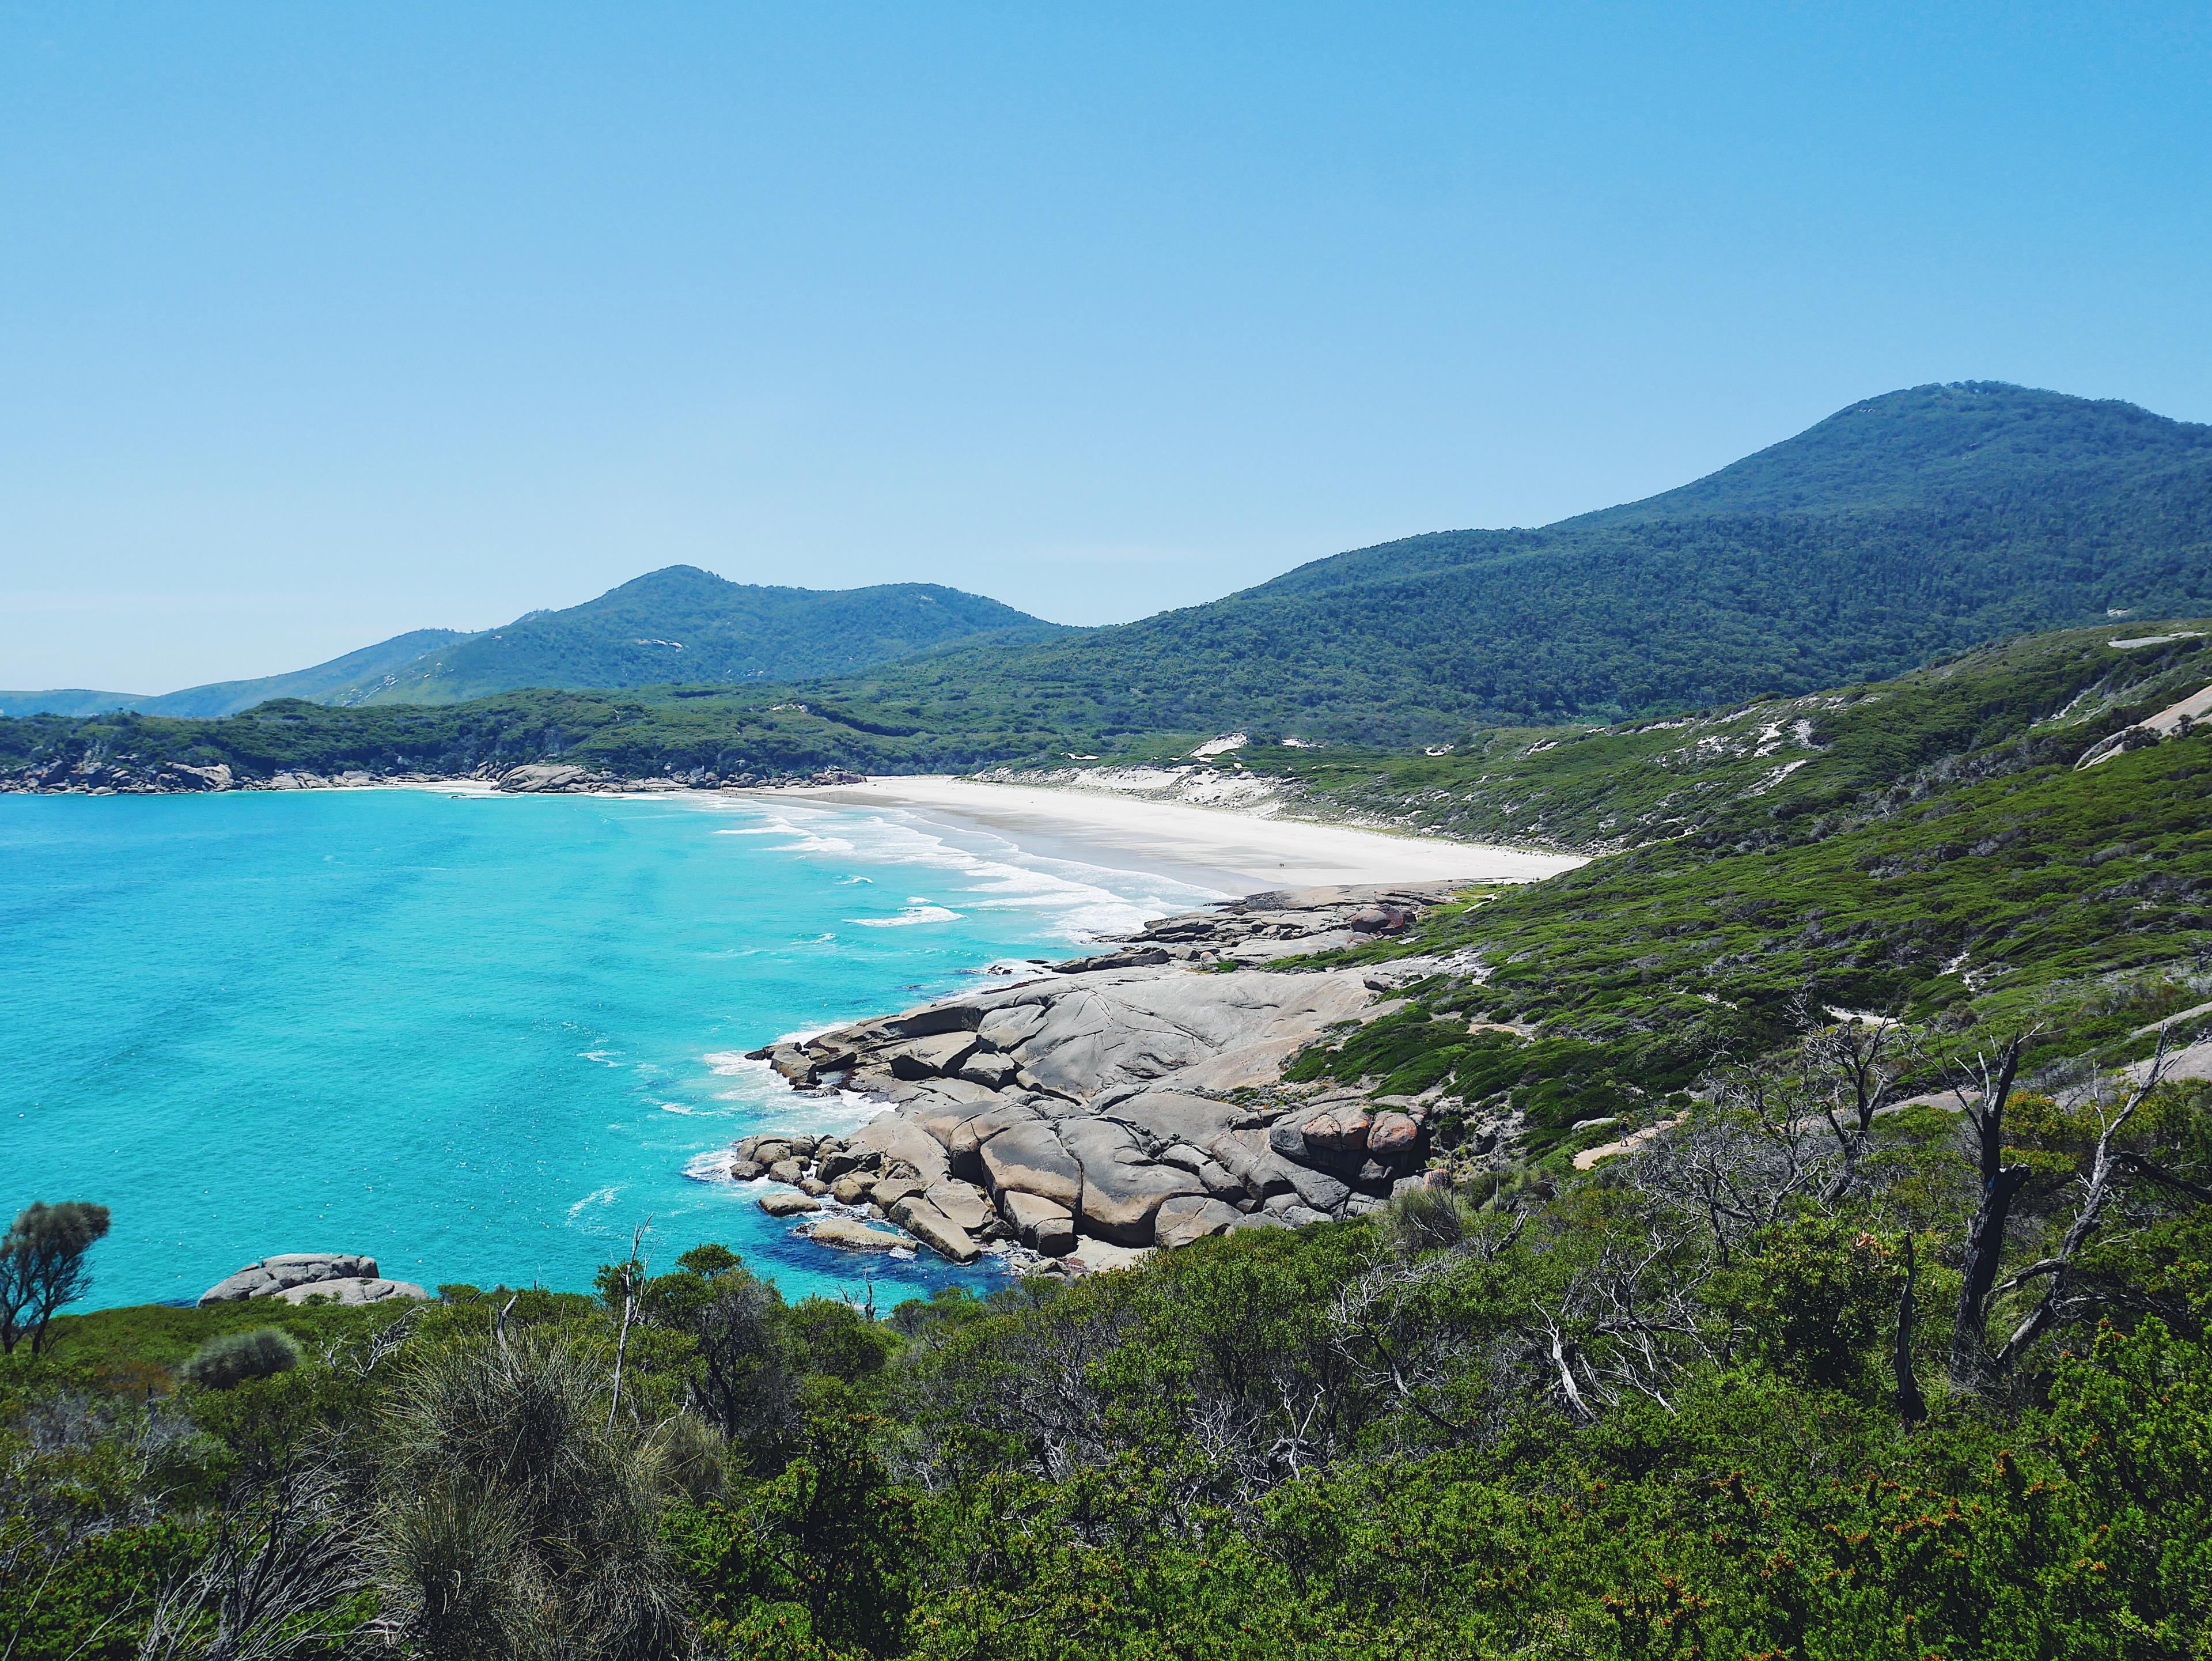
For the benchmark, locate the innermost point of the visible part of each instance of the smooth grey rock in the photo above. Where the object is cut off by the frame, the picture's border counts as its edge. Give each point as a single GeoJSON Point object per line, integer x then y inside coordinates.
{"type": "Point", "coordinates": [1174, 1116]}
{"type": "Point", "coordinates": [930, 1057]}
{"type": "Point", "coordinates": [1318, 1189]}
{"type": "Point", "coordinates": [1247, 1156]}
{"type": "Point", "coordinates": [272, 1276]}
{"type": "Point", "coordinates": [1030, 1159]}
{"type": "Point", "coordinates": [1122, 1190]}
{"type": "Point", "coordinates": [785, 1172]}
{"type": "Point", "coordinates": [961, 1202]}
{"type": "Point", "coordinates": [786, 1203]}
{"type": "Point", "coordinates": [1185, 1217]}
{"type": "Point", "coordinates": [896, 1137]}
{"type": "Point", "coordinates": [1002, 1029]}
{"type": "Point", "coordinates": [935, 1230]}
{"type": "Point", "coordinates": [851, 1234]}
{"type": "Point", "coordinates": [1039, 1222]}
{"type": "Point", "coordinates": [354, 1290]}
{"type": "Point", "coordinates": [541, 776]}
{"type": "Point", "coordinates": [989, 1069]}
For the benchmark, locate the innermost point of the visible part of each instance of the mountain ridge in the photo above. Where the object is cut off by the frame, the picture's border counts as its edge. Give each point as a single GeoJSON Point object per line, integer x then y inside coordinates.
{"type": "Point", "coordinates": [1921, 521]}
{"type": "Point", "coordinates": [793, 632]}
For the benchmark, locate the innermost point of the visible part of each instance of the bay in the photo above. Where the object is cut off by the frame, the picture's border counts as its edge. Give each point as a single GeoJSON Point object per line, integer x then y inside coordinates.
{"type": "Point", "coordinates": [478, 1038]}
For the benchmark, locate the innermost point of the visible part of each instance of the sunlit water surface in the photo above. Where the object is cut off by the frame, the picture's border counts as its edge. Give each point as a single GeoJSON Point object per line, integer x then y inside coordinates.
{"type": "Point", "coordinates": [478, 1038]}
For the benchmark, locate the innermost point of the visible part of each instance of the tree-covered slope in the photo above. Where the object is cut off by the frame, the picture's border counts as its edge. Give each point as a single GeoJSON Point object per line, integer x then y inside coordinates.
{"type": "Point", "coordinates": [346, 680]}
{"type": "Point", "coordinates": [1754, 769]}
{"type": "Point", "coordinates": [683, 624]}
{"type": "Point", "coordinates": [679, 625]}
{"type": "Point", "coordinates": [1905, 526]}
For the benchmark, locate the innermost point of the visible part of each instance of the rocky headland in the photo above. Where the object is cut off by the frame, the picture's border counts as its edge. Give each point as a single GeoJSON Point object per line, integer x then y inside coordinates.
{"type": "Point", "coordinates": [1132, 1098]}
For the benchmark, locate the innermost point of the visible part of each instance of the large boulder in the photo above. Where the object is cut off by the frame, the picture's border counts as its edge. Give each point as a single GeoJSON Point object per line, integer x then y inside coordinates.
{"type": "Point", "coordinates": [962, 1202]}
{"type": "Point", "coordinates": [935, 1230]}
{"type": "Point", "coordinates": [1248, 1156]}
{"type": "Point", "coordinates": [1394, 1138]}
{"type": "Point", "coordinates": [851, 1234]}
{"type": "Point", "coordinates": [931, 1057]}
{"type": "Point", "coordinates": [1186, 1218]}
{"type": "Point", "coordinates": [1174, 1116]}
{"type": "Point", "coordinates": [896, 1137]}
{"type": "Point", "coordinates": [542, 776]}
{"type": "Point", "coordinates": [1030, 1159]}
{"type": "Point", "coordinates": [1038, 1222]}
{"type": "Point", "coordinates": [1121, 1189]}
{"type": "Point", "coordinates": [273, 1275]}
{"type": "Point", "coordinates": [783, 1203]}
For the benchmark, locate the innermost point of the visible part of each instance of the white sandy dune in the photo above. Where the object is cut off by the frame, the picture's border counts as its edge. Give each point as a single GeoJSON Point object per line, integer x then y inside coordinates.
{"type": "Point", "coordinates": [1236, 852]}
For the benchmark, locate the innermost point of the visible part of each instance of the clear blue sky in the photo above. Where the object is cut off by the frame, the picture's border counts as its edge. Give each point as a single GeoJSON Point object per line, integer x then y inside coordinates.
{"type": "Point", "coordinates": [321, 322]}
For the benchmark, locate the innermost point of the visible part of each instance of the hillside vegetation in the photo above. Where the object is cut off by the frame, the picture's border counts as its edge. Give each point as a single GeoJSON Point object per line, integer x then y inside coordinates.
{"type": "Point", "coordinates": [680, 623]}
{"type": "Point", "coordinates": [1903, 527]}
{"type": "Point", "coordinates": [1892, 1345]}
{"type": "Point", "coordinates": [683, 624]}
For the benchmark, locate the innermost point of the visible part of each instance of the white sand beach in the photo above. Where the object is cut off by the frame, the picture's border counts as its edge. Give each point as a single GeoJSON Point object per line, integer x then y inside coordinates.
{"type": "Point", "coordinates": [1218, 848]}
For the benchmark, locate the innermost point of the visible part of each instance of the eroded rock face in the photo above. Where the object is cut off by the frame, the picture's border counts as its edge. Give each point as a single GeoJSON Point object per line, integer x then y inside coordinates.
{"type": "Point", "coordinates": [296, 1276]}
{"type": "Point", "coordinates": [1087, 1102]}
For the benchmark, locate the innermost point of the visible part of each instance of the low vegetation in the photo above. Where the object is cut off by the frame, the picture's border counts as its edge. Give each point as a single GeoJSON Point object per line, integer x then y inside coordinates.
{"type": "Point", "coordinates": [1780, 1386]}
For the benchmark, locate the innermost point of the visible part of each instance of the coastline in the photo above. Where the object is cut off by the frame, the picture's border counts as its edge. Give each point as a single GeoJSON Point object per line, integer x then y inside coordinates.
{"type": "Point", "coordinates": [1236, 850]}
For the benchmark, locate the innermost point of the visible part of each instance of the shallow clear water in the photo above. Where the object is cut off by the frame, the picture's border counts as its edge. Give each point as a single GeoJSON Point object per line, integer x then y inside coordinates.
{"type": "Point", "coordinates": [477, 1037]}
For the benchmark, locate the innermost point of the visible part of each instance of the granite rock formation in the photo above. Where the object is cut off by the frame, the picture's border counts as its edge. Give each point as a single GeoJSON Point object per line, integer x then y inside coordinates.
{"type": "Point", "coordinates": [1130, 1096]}
{"type": "Point", "coordinates": [296, 1276]}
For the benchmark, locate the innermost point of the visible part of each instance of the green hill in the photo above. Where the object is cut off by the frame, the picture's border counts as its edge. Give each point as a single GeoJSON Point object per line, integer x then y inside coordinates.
{"type": "Point", "coordinates": [681, 624]}
{"type": "Point", "coordinates": [66, 701]}
{"type": "Point", "coordinates": [341, 680]}
{"type": "Point", "coordinates": [1908, 526]}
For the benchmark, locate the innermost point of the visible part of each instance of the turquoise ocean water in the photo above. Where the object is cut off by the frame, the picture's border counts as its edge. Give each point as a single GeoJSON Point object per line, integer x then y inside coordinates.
{"type": "Point", "coordinates": [478, 1038]}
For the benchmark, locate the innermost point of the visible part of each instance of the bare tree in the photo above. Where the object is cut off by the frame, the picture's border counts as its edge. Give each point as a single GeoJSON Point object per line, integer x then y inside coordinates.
{"type": "Point", "coordinates": [1629, 1325]}
{"type": "Point", "coordinates": [2099, 1187]}
{"type": "Point", "coordinates": [1982, 1091]}
{"type": "Point", "coordinates": [1912, 1405]}
{"type": "Point", "coordinates": [1860, 1059]}
{"type": "Point", "coordinates": [1740, 1167]}
{"type": "Point", "coordinates": [279, 1563]}
{"type": "Point", "coordinates": [631, 1276]}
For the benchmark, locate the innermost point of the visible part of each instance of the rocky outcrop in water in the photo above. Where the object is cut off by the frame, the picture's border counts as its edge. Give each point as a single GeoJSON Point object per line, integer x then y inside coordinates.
{"type": "Point", "coordinates": [1132, 1095]}
{"type": "Point", "coordinates": [296, 1276]}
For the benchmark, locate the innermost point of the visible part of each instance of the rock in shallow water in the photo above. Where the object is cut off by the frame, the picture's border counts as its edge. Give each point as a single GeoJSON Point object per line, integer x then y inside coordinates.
{"type": "Point", "coordinates": [294, 1276]}
{"type": "Point", "coordinates": [785, 1203]}
{"type": "Point", "coordinates": [853, 1235]}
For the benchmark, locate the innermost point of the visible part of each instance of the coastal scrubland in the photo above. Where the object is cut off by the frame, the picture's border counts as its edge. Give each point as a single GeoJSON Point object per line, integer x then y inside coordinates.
{"type": "Point", "coordinates": [1811, 1259]}
{"type": "Point", "coordinates": [1546, 1415]}
{"type": "Point", "coordinates": [1887, 1341]}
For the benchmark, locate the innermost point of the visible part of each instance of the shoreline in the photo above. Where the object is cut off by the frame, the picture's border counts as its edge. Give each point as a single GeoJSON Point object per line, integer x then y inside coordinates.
{"type": "Point", "coordinates": [1237, 851]}
{"type": "Point", "coordinates": [1230, 849]}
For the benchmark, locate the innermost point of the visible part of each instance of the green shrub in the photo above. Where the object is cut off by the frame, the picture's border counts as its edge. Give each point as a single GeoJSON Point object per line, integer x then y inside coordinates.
{"type": "Point", "coordinates": [234, 1357]}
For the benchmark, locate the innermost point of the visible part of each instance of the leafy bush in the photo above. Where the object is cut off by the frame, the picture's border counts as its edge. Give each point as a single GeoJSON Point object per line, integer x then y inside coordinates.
{"type": "Point", "coordinates": [224, 1362]}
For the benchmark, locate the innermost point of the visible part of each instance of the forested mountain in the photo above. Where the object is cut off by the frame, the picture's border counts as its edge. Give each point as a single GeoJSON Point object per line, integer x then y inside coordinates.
{"type": "Point", "coordinates": [345, 679]}
{"type": "Point", "coordinates": [679, 624]}
{"type": "Point", "coordinates": [1905, 526]}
